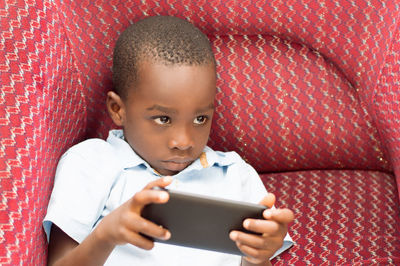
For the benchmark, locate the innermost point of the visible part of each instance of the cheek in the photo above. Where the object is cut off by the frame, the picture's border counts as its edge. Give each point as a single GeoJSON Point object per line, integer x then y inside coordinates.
{"type": "Point", "coordinates": [146, 145]}
{"type": "Point", "coordinates": [138, 133]}
{"type": "Point", "coordinates": [204, 135]}
{"type": "Point", "coordinates": [144, 135]}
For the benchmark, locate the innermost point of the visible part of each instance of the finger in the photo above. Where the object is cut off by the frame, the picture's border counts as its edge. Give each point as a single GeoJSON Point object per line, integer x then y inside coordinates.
{"type": "Point", "coordinates": [151, 229]}
{"type": "Point", "coordinates": [279, 215]}
{"type": "Point", "coordinates": [261, 226]}
{"type": "Point", "coordinates": [252, 240]}
{"type": "Point", "coordinates": [138, 240]}
{"type": "Point", "coordinates": [268, 200]}
{"type": "Point", "coordinates": [254, 255]}
{"type": "Point", "coordinates": [161, 182]}
{"type": "Point", "coordinates": [148, 196]}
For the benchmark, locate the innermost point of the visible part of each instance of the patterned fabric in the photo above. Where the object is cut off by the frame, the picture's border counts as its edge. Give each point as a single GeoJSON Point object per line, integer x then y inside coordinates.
{"type": "Point", "coordinates": [281, 99]}
{"type": "Point", "coordinates": [387, 103]}
{"type": "Point", "coordinates": [302, 85]}
{"type": "Point", "coordinates": [41, 114]}
{"type": "Point", "coordinates": [343, 217]}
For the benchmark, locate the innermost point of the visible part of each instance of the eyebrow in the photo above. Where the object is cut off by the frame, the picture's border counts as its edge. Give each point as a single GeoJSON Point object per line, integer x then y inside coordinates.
{"type": "Point", "coordinates": [174, 111]}
{"type": "Point", "coordinates": [162, 109]}
{"type": "Point", "coordinates": [210, 106]}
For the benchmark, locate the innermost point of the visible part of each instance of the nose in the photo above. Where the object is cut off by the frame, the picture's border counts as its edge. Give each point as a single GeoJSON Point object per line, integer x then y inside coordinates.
{"type": "Point", "coordinates": [181, 139]}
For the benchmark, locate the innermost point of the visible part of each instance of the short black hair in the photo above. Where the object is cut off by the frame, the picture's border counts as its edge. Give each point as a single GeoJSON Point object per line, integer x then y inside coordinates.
{"type": "Point", "coordinates": [164, 39]}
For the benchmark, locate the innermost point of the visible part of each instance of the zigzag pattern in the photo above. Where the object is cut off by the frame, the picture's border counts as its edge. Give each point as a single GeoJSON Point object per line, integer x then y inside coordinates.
{"type": "Point", "coordinates": [353, 42]}
{"type": "Point", "coordinates": [360, 214]}
{"type": "Point", "coordinates": [17, 119]}
{"type": "Point", "coordinates": [301, 85]}
{"type": "Point", "coordinates": [387, 103]}
{"type": "Point", "coordinates": [303, 121]}
{"type": "Point", "coordinates": [33, 134]}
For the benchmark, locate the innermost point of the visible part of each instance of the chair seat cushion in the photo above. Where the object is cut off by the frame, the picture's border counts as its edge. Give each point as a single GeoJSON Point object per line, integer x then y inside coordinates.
{"type": "Point", "coordinates": [347, 217]}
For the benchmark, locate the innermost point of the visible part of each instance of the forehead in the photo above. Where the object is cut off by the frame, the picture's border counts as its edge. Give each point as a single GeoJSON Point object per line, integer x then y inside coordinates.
{"type": "Point", "coordinates": [168, 81]}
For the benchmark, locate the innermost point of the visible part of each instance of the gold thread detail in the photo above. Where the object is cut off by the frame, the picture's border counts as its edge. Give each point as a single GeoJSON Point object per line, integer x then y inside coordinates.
{"type": "Point", "coordinates": [203, 160]}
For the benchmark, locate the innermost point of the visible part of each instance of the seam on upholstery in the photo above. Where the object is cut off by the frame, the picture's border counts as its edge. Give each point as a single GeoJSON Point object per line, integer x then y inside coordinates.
{"type": "Point", "coordinates": [371, 105]}
{"type": "Point", "coordinates": [56, 5]}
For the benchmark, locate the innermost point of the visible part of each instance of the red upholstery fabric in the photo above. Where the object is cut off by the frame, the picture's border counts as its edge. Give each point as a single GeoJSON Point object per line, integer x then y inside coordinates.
{"type": "Point", "coordinates": [343, 217]}
{"type": "Point", "coordinates": [42, 112]}
{"type": "Point", "coordinates": [308, 93]}
{"type": "Point", "coordinates": [386, 103]}
{"type": "Point", "coordinates": [283, 100]}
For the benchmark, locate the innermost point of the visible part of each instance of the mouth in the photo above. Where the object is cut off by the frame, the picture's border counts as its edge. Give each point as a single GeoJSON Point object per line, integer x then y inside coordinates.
{"type": "Point", "coordinates": [177, 164]}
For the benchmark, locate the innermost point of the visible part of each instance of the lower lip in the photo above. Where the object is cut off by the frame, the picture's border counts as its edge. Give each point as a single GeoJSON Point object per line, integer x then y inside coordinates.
{"type": "Point", "coordinates": [174, 166]}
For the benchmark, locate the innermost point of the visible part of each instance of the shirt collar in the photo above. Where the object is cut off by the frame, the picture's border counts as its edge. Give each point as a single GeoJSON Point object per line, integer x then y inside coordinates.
{"type": "Point", "coordinates": [126, 155]}
{"type": "Point", "coordinates": [129, 158]}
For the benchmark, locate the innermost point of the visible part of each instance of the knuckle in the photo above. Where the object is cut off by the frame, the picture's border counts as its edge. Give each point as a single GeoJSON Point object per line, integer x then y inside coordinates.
{"type": "Point", "coordinates": [161, 231]}
{"type": "Point", "coordinates": [239, 237]}
{"type": "Point", "coordinates": [252, 224]}
{"type": "Point", "coordinates": [126, 219]}
{"type": "Point", "coordinates": [137, 197]}
{"type": "Point", "coordinates": [120, 231]}
{"type": "Point", "coordinates": [151, 185]}
{"type": "Point", "coordinates": [143, 225]}
{"type": "Point", "coordinates": [257, 254]}
{"type": "Point", "coordinates": [121, 234]}
{"type": "Point", "coordinates": [272, 227]}
{"type": "Point", "coordinates": [264, 243]}
{"type": "Point", "coordinates": [276, 226]}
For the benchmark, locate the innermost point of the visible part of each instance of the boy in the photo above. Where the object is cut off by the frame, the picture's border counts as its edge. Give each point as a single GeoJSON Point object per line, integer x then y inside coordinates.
{"type": "Point", "coordinates": [165, 83]}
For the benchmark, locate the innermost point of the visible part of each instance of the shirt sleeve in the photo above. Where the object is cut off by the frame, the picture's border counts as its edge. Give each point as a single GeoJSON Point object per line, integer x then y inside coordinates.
{"type": "Point", "coordinates": [82, 183]}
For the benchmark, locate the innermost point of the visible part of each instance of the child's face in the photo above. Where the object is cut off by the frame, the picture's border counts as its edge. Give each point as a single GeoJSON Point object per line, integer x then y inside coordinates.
{"type": "Point", "coordinates": [167, 116]}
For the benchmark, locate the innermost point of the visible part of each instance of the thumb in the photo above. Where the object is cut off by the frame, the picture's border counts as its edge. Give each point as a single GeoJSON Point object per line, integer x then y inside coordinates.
{"type": "Point", "coordinates": [268, 200]}
{"type": "Point", "coordinates": [279, 215]}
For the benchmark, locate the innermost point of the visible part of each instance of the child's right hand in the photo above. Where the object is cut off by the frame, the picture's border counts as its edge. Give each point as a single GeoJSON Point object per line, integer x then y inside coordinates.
{"type": "Point", "coordinates": [125, 224]}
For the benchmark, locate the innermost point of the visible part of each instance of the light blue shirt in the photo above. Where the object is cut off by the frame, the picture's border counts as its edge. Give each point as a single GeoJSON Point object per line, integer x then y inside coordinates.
{"type": "Point", "coordinates": [96, 176]}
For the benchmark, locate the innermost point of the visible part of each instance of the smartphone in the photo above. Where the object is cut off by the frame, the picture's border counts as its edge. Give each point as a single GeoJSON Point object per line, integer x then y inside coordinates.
{"type": "Point", "coordinates": [201, 221]}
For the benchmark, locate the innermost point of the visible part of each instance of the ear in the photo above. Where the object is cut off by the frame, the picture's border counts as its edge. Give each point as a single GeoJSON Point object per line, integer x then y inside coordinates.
{"type": "Point", "coordinates": [116, 108]}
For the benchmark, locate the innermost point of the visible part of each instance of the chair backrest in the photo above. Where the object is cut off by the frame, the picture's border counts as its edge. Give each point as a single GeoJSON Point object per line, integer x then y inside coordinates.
{"type": "Point", "coordinates": [295, 82]}
{"type": "Point", "coordinates": [386, 103]}
{"type": "Point", "coordinates": [301, 85]}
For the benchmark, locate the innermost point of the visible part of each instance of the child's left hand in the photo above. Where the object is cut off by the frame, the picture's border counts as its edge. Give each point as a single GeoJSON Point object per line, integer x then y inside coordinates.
{"type": "Point", "coordinates": [259, 248]}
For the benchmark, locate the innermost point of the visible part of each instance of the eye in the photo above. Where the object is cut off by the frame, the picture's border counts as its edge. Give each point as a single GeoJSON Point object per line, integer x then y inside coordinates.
{"type": "Point", "coordinates": [162, 120]}
{"type": "Point", "coordinates": [200, 120]}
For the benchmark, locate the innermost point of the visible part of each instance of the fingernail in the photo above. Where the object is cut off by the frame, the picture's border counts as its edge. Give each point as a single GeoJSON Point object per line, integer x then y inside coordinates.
{"type": "Point", "coordinates": [246, 224]}
{"type": "Point", "coordinates": [163, 196]}
{"type": "Point", "coordinates": [233, 235]}
{"type": "Point", "coordinates": [167, 235]}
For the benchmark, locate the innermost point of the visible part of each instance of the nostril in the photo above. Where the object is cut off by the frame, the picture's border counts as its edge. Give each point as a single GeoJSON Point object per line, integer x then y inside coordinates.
{"type": "Point", "coordinates": [181, 143]}
{"type": "Point", "coordinates": [181, 138]}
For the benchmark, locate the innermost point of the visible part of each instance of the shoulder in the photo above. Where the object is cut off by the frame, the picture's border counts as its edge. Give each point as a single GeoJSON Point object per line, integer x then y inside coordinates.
{"type": "Point", "coordinates": [92, 158]}
{"type": "Point", "coordinates": [90, 146]}
{"type": "Point", "coordinates": [220, 158]}
{"type": "Point", "coordinates": [85, 175]}
{"type": "Point", "coordinates": [232, 161]}
{"type": "Point", "coordinates": [91, 150]}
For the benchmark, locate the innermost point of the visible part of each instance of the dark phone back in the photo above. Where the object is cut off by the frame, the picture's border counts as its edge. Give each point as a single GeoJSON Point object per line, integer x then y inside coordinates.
{"type": "Point", "coordinates": [202, 222]}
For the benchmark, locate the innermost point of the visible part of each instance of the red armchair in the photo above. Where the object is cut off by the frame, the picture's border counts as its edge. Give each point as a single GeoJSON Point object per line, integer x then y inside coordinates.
{"type": "Point", "coordinates": [308, 93]}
